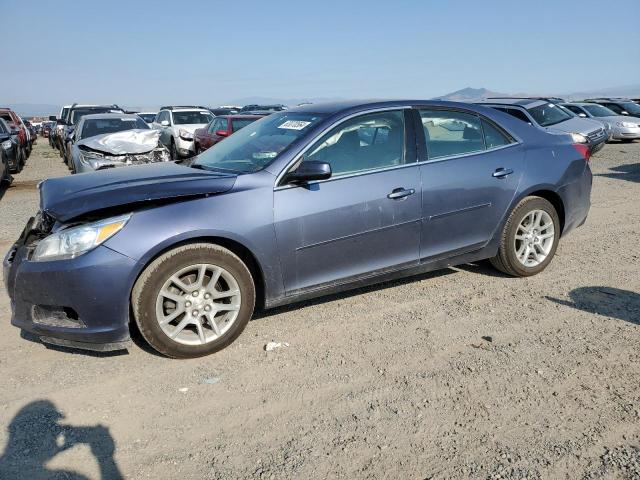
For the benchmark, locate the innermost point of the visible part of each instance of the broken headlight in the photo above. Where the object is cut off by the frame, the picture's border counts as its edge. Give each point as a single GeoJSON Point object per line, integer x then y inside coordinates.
{"type": "Point", "coordinates": [74, 241]}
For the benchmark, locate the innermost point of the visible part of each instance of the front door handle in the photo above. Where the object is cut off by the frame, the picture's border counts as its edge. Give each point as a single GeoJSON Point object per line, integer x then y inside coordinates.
{"type": "Point", "coordinates": [502, 172]}
{"type": "Point", "coordinates": [398, 193]}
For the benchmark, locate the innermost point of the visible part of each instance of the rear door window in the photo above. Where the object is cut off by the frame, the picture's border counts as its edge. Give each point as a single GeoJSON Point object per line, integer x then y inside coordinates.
{"type": "Point", "coordinates": [449, 132]}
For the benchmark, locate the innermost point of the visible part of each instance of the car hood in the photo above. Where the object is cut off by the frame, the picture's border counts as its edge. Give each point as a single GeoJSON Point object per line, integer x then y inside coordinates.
{"type": "Point", "coordinates": [121, 143]}
{"type": "Point", "coordinates": [70, 197]}
{"type": "Point", "coordinates": [577, 125]}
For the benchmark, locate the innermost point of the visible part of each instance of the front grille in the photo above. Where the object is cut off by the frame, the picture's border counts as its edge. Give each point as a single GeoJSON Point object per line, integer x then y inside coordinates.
{"type": "Point", "coordinates": [596, 135]}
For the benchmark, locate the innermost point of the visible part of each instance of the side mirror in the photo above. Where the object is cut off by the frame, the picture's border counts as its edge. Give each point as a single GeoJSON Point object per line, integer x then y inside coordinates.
{"type": "Point", "coordinates": [624, 112]}
{"type": "Point", "coordinates": [308, 171]}
{"type": "Point", "coordinates": [164, 123]}
{"type": "Point", "coordinates": [52, 118]}
{"type": "Point", "coordinates": [583, 115]}
{"type": "Point", "coordinates": [222, 133]}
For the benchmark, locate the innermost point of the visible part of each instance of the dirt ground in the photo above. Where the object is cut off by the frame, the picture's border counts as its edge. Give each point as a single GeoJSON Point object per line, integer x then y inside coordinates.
{"type": "Point", "coordinates": [462, 373]}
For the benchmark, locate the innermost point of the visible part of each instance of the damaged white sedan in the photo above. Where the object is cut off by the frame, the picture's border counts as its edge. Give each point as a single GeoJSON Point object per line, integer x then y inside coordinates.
{"type": "Point", "coordinates": [110, 140]}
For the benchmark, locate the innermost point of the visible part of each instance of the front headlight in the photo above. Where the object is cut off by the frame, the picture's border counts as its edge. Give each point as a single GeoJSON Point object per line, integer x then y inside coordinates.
{"type": "Point", "coordinates": [625, 124]}
{"type": "Point", "coordinates": [579, 138]}
{"type": "Point", "coordinates": [73, 242]}
{"type": "Point", "coordinates": [185, 135]}
{"type": "Point", "coordinates": [96, 161]}
{"type": "Point", "coordinates": [7, 144]}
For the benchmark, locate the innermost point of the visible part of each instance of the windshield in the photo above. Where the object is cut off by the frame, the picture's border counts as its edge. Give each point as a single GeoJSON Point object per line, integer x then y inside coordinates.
{"type": "Point", "coordinates": [599, 111]}
{"type": "Point", "coordinates": [548, 114]}
{"type": "Point", "coordinates": [632, 108]}
{"type": "Point", "coordinates": [147, 117]}
{"type": "Point", "coordinates": [187, 118]}
{"type": "Point", "coordinates": [257, 145]}
{"type": "Point", "coordinates": [101, 126]}
{"type": "Point", "coordinates": [76, 115]}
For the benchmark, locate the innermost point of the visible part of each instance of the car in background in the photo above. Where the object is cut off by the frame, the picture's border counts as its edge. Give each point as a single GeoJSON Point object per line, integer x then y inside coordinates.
{"type": "Point", "coordinates": [46, 128]}
{"type": "Point", "coordinates": [261, 109]}
{"type": "Point", "coordinates": [547, 116]}
{"type": "Point", "coordinates": [302, 203]}
{"type": "Point", "coordinates": [111, 140]}
{"type": "Point", "coordinates": [148, 117]}
{"type": "Point", "coordinates": [220, 128]}
{"type": "Point", "coordinates": [622, 127]}
{"type": "Point", "coordinates": [56, 133]}
{"type": "Point", "coordinates": [177, 125]}
{"type": "Point", "coordinates": [74, 114]}
{"type": "Point", "coordinates": [18, 130]}
{"type": "Point", "coordinates": [9, 151]}
{"type": "Point", "coordinates": [620, 106]}
{"type": "Point", "coordinates": [223, 111]}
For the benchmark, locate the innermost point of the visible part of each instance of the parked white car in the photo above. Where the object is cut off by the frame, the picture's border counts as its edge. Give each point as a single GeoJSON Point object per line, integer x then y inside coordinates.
{"type": "Point", "coordinates": [177, 126]}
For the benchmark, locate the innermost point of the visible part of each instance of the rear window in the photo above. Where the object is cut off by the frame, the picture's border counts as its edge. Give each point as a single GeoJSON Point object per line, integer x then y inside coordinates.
{"type": "Point", "coordinates": [241, 123]}
{"type": "Point", "coordinates": [77, 114]}
{"type": "Point", "coordinates": [191, 118]}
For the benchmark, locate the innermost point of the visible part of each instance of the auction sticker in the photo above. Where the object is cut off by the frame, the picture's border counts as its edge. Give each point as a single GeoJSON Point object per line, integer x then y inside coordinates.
{"type": "Point", "coordinates": [294, 124]}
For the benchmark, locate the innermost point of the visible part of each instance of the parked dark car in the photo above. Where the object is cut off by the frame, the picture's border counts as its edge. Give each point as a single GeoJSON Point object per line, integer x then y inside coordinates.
{"type": "Point", "coordinates": [619, 105]}
{"type": "Point", "coordinates": [550, 117]}
{"type": "Point", "coordinates": [223, 111]}
{"type": "Point", "coordinates": [17, 129]}
{"type": "Point", "coordinates": [8, 154]}
{"type": "Point", "coordinates": [220, 128]}
{"type": "Point", "coordinates": [14, 154]}
{"type": "Point", "coordinates": [45, 130]}
{"type": "Point", "coordinates": [298, 204]}
{"type": "Point", "coordinates": [73, 116]}
{"type": "Point", "coordinates": [261, 109]}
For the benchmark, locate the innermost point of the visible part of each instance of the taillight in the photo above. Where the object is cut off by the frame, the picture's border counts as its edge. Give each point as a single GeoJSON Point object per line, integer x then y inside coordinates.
{"type": "Point", "coordinates": [583, 150]}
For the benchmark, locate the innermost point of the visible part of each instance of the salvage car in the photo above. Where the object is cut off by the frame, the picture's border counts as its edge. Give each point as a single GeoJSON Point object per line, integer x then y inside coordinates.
{"type": "Point", "coordinates": [220, 128]}
{"type": "Point", "coordinates": [110, 140]}
{"type": "Point", "coordinates": [18, 130]}
{"type": "Point", "coordinates": [623, 128]}
{"type": "Point", "coordinates": [620, 106]}
{"type": "Point", "coordinates": [7, 154]}
{"type": "Point", "coordinates": [148, 117]}
{"type": "Point", "coordinates": [13, 155]}
{"type": "Point", "coordinates": [298, 204]}
{"type": "Point", "coordinates": [547, 116]}
{"type": "Point", "coordinates": [177, 125]}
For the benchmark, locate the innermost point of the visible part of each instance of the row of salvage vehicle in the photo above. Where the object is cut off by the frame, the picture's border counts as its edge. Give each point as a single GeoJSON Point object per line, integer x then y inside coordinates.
{"type": "Point", "coordinates": [17, 137]}
{"type": "Point", "coordinates": [92, 137]}
{"type": "Point", "coordinates": [96, 137]}
{"type": "Point", "coordinates": [301, 203]}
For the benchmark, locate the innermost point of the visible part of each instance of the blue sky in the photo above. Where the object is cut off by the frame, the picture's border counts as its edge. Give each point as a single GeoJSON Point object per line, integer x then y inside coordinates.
{"type": "Point", "coordinates": [151, 52]}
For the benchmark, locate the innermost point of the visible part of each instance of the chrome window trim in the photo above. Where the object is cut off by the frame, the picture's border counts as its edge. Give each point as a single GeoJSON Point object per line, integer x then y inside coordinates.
{"type": "Point", "coordinates": [517, 141]}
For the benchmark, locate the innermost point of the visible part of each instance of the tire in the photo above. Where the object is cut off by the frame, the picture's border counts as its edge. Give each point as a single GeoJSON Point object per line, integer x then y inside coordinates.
{"type": "Point", "coordinates": [173, 150]}
{"type": "Point", "coordinates": [147, 302]}
{"type": "Point", "coordinates": [511, 248]}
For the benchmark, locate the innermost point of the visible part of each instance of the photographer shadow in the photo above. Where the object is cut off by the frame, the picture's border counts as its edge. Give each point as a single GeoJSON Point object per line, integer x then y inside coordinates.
{"type": "Point", "coordinates": [36, 437]}
{"type": "Point", "coordinates": [608, 301]}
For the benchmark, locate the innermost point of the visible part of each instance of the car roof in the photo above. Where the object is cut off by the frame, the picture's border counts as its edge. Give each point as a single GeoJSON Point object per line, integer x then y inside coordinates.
{"type": "Point", "coordinates": [105, 116]}
{"type": "Point", "coordinates": [354, 106]}
{"type": "Point", "coordinates": [579, 104]}
{"type": "Point", "coordinates": [188, 109]}
{"type": "Point", "coordinates": [520, 102]}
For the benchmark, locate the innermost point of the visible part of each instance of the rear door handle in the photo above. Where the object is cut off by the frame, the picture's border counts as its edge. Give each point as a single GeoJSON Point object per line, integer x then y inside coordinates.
{"type": "Point", "coordinates": [398, 193]}
{"type": "Point", "coordinates": [502, 172]}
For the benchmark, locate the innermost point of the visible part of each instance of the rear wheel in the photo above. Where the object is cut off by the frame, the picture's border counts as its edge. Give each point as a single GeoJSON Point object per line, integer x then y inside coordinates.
{"type": "Point", "coordinates": [529, 239]}
{"type": "Point", "coordinates": [193, 301]}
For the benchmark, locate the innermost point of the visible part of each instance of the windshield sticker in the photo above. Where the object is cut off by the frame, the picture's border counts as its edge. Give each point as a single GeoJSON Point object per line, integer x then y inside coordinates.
{"type": "Point", "coordinates": [294, 125]}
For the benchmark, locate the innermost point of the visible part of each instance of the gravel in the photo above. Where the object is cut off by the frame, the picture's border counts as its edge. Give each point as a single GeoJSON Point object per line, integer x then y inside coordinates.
{"type": "Point", "coordinates": [461, 373]}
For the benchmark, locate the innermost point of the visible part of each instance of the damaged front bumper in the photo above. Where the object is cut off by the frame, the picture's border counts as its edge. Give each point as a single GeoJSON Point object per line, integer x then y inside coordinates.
{"type": "Point", "coordinates": [80, 302]}
{"type": "Point", "coordinates": [91, 160]}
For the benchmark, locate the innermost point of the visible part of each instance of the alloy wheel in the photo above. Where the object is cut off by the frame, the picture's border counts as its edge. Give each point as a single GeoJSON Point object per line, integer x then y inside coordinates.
{"type": "Point", "coordinates": [534, 238]}
{"type": "Point", "coordinates": [198, 304]}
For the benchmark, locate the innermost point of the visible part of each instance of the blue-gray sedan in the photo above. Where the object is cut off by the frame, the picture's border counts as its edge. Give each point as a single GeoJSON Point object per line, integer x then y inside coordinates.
{"type": "Point", "coordinates": [299, 204]}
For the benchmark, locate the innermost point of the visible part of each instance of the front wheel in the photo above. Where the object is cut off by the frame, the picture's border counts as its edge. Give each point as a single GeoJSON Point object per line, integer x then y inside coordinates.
{"type": "Point", "coordinates": [529, 239]}
{"type": "Point", "coordinates": [193, 301]}
{"type": "Point", "coordinates": [174, 150]}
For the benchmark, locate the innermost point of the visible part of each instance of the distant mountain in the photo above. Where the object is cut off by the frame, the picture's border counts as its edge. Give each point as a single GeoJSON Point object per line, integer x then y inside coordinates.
{"type": "Point", "coordinates": [470, 95]}
{"type": "Point", "coordinates": [628, 91]}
